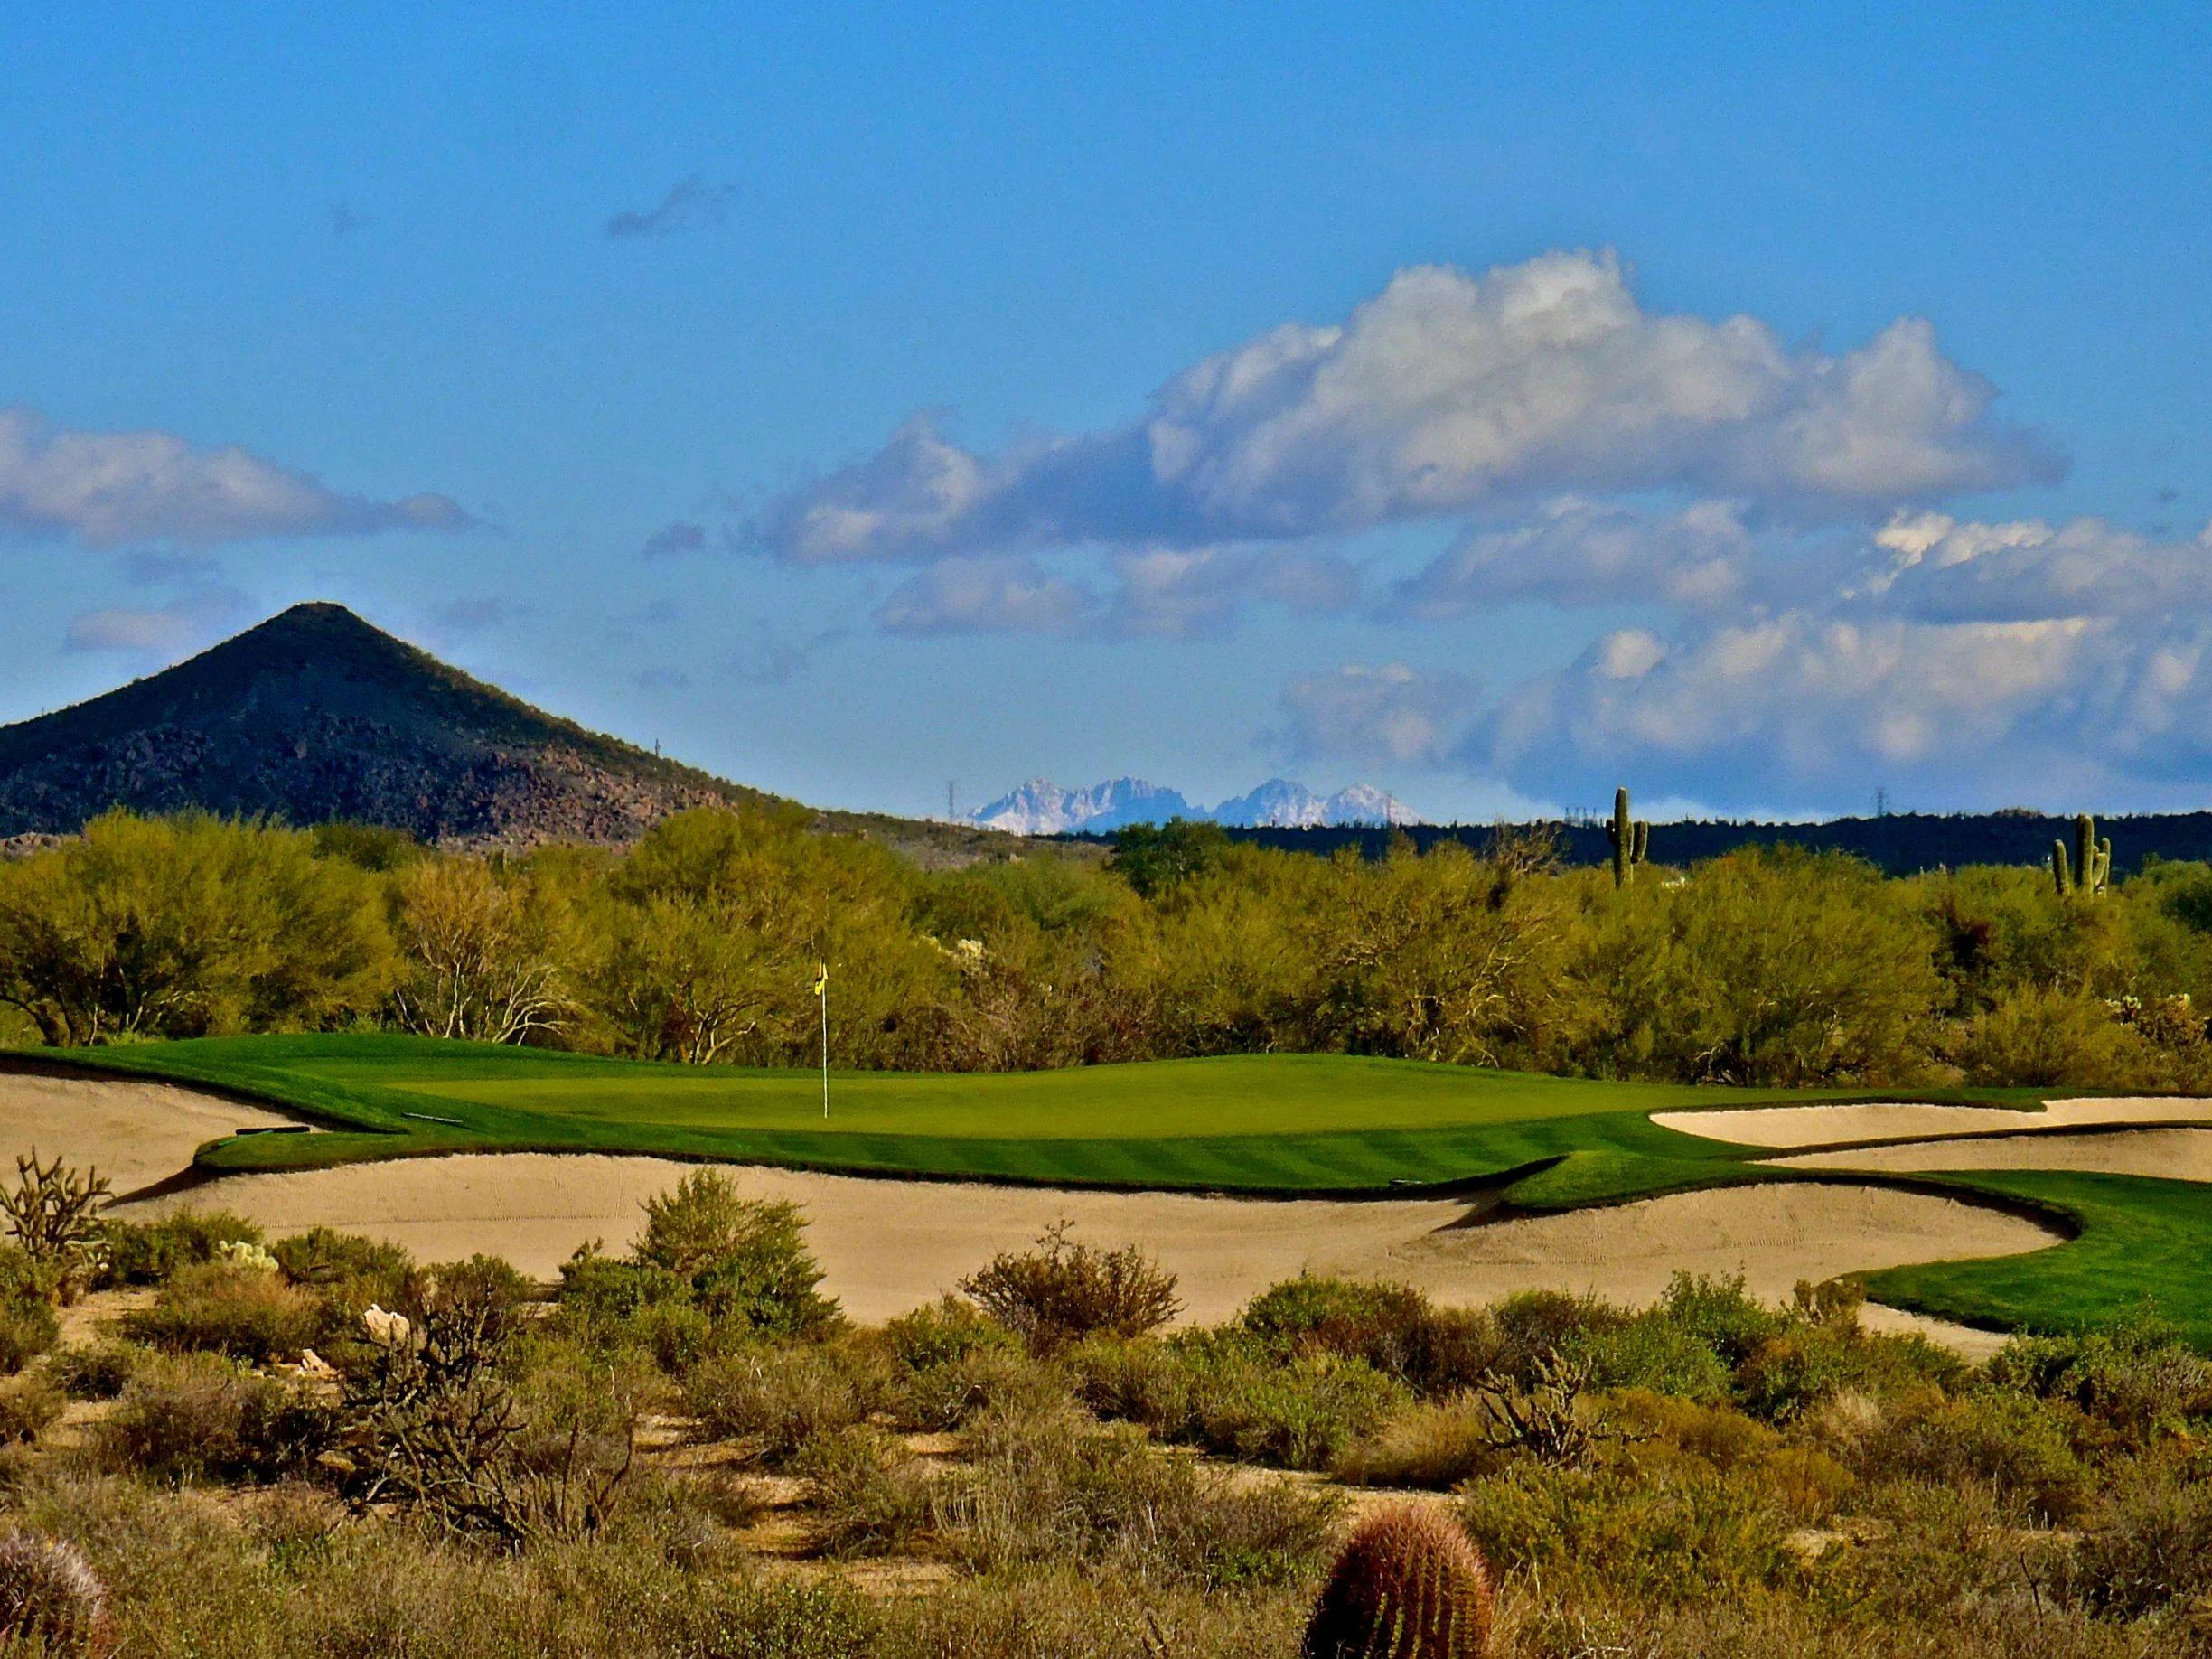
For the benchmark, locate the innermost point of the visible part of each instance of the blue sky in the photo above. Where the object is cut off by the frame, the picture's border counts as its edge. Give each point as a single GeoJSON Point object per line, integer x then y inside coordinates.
{"type": "Point", "coordinates": [1489, 404]}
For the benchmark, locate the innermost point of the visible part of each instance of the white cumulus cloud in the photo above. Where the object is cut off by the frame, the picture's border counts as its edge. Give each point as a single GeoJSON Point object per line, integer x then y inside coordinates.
{"type": "Point", "coordinates": [107, 487]}
{"type": "Point", "coordinates": [1443, 393]}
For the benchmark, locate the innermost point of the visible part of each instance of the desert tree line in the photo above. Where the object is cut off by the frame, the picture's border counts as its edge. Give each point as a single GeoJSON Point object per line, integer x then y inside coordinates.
{"type": "Point", "coordinates": [699, 945]}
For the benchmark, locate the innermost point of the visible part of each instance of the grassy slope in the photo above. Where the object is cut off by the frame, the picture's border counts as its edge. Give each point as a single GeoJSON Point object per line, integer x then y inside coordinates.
{"type": "Point", "coordinates": [1257, 1123]}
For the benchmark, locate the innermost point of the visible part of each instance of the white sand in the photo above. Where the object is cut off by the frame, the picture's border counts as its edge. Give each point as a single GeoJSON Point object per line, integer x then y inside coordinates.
{"type": "Point", "coordinates": [135, 1133]}
{"type": "Point", "coordinates": [888, 1246]}
{"type": "Point", "coordinates": [1818, 1125]}
{"type": "Point", "coordinates": [2170, 1154]}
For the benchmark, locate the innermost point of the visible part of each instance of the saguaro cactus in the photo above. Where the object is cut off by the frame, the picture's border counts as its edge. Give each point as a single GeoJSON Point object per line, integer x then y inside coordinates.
{"type": "Point", "coordinates": [1408, 1586]}
{"type": "Point", "coordinates": [1631, 840]}
{"type": "Point", "coordinates": [2091, 869]}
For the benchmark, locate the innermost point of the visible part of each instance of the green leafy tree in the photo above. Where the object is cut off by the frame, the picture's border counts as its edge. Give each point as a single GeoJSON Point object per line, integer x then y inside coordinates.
{"type": "Point", "coordinates": [184, 926]}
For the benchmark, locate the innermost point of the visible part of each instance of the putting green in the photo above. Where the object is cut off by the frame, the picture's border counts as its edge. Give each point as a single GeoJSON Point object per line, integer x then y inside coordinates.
{"type": "Point", "coordinates": [1279, 1124]}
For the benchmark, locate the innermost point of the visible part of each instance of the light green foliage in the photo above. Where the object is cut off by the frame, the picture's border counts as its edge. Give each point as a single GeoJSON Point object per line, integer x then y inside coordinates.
{"type": "Point", "coordinates": [181, 927]}
{"type": "Point", "coordinates": [481, 950]}
{"type": "Point", "coordinates": [701, 944]}
{"type": "Point", "coordinates": [1768, 967]}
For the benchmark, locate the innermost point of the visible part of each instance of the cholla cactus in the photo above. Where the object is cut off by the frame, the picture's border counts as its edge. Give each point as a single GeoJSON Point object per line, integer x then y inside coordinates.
{"type": "Point", "coordinates": [1631, 840]}
{"type": "Point", "coordinates": [247, 1257]}
{"type": "Point", "coordinates": [1408, 1586]}
{"type": "Point", "coordinates": [50, 1601]}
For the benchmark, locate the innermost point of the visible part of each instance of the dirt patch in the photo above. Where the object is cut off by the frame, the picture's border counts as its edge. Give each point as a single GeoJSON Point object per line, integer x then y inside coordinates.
{"type": "Point", "coordinates": [135, 1133]}
{"type": "Point", "coordinates": [1828, 1125]}
{"type": "Point", "coordinates": [2168, 1154]}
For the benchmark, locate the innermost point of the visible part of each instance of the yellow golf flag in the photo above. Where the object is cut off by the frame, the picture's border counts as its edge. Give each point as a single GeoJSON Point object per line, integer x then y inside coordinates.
{"type": "Point", "coordinates": [821, 979]}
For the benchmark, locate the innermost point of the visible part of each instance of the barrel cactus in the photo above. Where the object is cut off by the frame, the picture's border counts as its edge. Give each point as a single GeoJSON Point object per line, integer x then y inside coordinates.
{"type": "Point", "coordinates": [1408, 1586]}
{"type": "Point", "coordinates": [50, 1601]}
{"type": "Point", "coordinates": [1631, 840]}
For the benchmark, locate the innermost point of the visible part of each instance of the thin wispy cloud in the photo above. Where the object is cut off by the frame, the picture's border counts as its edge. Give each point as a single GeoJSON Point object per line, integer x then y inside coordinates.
{"type": "Point", "coordinates": [105, 489]}
{"type": "Point", "coordinates": [671, 541]}
{"type": "Point", "coordinates": [691, 204]}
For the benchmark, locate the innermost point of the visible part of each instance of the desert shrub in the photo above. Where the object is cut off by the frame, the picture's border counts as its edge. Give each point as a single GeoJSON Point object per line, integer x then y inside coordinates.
{"type": "Point", "coordinates": [1649, 1352]}
{"type": "Point", "coordinates": [869, 1498]}
{"type": "Point", "coordinates": [27, 1329]}
{"type": "Point", "coordinates": [776, 1399]}
{"type": "Point", "coordinates": [29, 1406]}
{"type": "Point", "coordinates": [1073, 1611]}
{"type": "Point", "coordinates": [147, 1252]}
{"type": "Point", "coordinates": [1046, 1487]}
{"type": "Point", "coordinates": [1683, 1538]}
{"type": "Point", "coordinates": [1299, 1414]}
{"type": "Point", "coordinates": [432, 1425]}
{"type": "Point", "coordinates": [942, 1332]}
{"type": "Point", "coordinates": [1061, 1292]}
{"type": "Point", "coordinates": [1810, 1362]}
{"type": "Point", "coordinates": [2036, 1036]}
{"type": "Point", "coordinates": [1534, 1325]}
{"type": "Point", "coordinates": [1407, 1582]}
{"type": "Point", "coordinates": [1719, 1314]}
{"type": "Point", "coordinates": [2149, 1544]}
{"type": "Point", "coordinates": [1139, 1380]}
{"type": "Point", "coordinates": [349, 1274]}
{"type": "Point", "coordinates": [946, 1396]}
{"type": "Point", "coordinates": [197, 1417]}
{"type": "Point", "coordinates": [740, 1262]}
{"type": "Point", "coordinates": [99, 1371]}
{"type": "Point", "coordinates": [1394, 1329]}
{"type": "Point", "coordinates": [51, 1603]}
{"type": "Point", "coordinates": [2020, 1445]}
{"type": "Point", "coordinates": [242, 1312]}
{"type": "Point", "coordinates": [1435, 1443]}
{"type": "Point", "coordinates": [2132, 1376]}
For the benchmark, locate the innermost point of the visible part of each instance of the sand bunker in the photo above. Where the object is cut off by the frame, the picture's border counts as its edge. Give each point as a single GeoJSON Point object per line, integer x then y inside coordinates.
{"type": "Point", "coordinates": [888, 1246]}
{"type": "Point", "coordinates": [135, 1133]}
{"type": "Point", "coordinates": [2168, 1153]}
{"type": "Point", "coordinates": [1818, 1125]}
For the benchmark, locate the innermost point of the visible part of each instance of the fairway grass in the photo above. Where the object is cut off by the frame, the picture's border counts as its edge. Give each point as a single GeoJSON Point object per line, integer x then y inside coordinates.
{"type": "Point", "coordinates": [1279, 1124]}
{"type": "Point", "coordinates": [1261, 1123]}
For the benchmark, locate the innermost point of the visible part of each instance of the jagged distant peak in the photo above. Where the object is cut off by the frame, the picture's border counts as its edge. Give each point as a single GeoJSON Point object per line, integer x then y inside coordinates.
{"type": "Point", "coordinates": [1278, 803]}
{"type": "Point", "coordinates": [1041, 807]}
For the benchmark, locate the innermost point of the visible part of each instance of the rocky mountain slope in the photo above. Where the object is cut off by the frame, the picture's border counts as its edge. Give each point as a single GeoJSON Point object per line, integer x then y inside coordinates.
{"type": "Point", "coordinates": [316, 716]}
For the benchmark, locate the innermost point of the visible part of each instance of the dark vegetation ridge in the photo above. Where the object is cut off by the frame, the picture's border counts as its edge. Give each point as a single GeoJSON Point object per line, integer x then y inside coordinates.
{"type": "Point", "coordinates": [315, 716]}
{"type": "Point", "coordinates": [1899, 843]}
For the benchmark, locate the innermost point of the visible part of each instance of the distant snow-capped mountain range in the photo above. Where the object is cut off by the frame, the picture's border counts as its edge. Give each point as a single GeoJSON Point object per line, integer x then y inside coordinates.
{"type": "Point", "coordinates": [1041, 806]}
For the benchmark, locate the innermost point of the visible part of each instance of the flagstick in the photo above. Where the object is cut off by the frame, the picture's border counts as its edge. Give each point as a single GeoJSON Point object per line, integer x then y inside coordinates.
{"type": "Point", "coordinates": [825, 1002]}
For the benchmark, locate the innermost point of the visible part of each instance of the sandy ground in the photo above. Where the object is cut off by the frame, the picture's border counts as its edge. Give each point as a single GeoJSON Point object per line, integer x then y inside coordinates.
{"type": "Point", "coordinates": [135, 1133]}
{"type": "Point", "coordinates": [888, 1246]}
{"type": "Point", "coordinates": [1818, 1125]}
{"type": "Point", "coordinates": [2170, 1154]}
